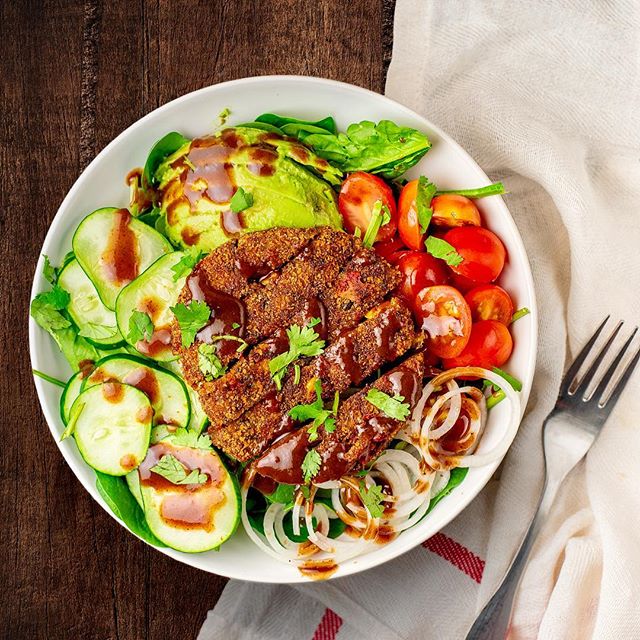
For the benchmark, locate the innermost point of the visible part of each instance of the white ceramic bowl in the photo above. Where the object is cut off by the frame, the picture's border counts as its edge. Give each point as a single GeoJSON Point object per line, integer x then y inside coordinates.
{"type": "Point", "coordinates": [447, 164]}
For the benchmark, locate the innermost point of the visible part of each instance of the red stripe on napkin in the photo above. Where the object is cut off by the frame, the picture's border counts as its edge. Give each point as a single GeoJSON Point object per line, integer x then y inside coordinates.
{"type": "Point", "coordinates": [459, 556]}
{"type": "Point", "coordinates": [328, 627]}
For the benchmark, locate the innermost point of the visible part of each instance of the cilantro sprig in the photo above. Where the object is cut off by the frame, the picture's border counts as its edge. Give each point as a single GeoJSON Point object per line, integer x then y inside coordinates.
{"type": "Point", "coordinates": [140, 327]}
{"type": "Point", "coordinates": [380, 215]}
{"type": "Point", "coordinates": [311, 465]}
{"type": "Point", "coordinates": [185, 265]}
{"type": "Point", "coordinates": [303, 341]}
{"type": "Point", "coordinates": [171, 468]}
{"type": "Point", "coordinates": [424, 194]}
{"type": "Point", "coordinates": [392, 407]}
{"type": "Point", "coordinates": [316, 412]}
{"type": "Point", "coordinates": [440, 248]}
{"type": "Point", "coordinates": [191, 318]}
{"type": "Point", "coordinates": [209, 364]}
{"type": "Point", "coordinates": [372, 498]}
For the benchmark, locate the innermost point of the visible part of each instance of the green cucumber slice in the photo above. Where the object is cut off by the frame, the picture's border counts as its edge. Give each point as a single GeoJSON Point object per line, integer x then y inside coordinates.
{"type": "Point", "coordinates": [94, 240]}
{"type": "Point", "coordinates": [133, 482]}
{"type": "Point", "coordinates": [166, 391]}
{"type": "Point", "coordinates": [191, 518]}
{"type": "Point", "coordinates": [69, 395]}
{"type": "Point", "coordinates": [113, 427]}
{"type": "Point", "coordinates": [96, 323]}
{"type": "Point", "coordinates": [152, 292]}
{"type": "Point", "coordinates": [199, 419]}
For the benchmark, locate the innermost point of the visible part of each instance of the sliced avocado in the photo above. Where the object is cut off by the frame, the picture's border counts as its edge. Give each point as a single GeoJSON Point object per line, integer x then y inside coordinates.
{"type": "Point", "coordinates": [282, 177]}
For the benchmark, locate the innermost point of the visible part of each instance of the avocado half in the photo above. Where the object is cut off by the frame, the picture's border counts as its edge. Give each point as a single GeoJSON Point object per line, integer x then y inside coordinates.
{"type": "Point", "coordinates": [287, 186]}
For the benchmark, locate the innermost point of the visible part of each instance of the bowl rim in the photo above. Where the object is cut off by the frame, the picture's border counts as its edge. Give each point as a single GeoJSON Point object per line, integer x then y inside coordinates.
{"type": "Point", "coordinates": [394, 548]}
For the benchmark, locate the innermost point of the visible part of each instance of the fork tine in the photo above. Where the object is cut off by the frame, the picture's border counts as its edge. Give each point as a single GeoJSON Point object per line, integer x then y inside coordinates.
{"type": "Point", "coordinates": [581, 357]}
{"type": "Point", "coordinates": [610, 402]}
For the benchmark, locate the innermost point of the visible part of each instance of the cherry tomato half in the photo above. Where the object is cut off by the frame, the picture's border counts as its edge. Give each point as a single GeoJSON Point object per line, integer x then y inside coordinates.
{"type": "Point", "coordinates": [408, 226]}
{"type": "Point", "coordinates": [482, 251]}
{"type": "Point", "coordinates": [490, 345]}
{"type": "Point", "coordinates": [358, 194]}
{"type": "Point", "coordinates": [391, 250]}
{"type": "Point", "coordinates": [445, 317]}
{"type": "Point", "coordinates": [419, 271]}
{"type": "Point", "coordinates": [490, 302]}
{"type": "Point", "coordinates": [451, 210]}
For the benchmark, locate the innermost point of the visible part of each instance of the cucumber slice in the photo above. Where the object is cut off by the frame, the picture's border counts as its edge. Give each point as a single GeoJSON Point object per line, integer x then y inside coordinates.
{"type": "Point", "coordinates": [96, 323]}
{"type": "Point", "coordinates": [133, 482]}
{"type": "Point", "coordinates": [191, 518]}
{"type": "Point", "coordinates": [152, 292]}
{"type": "Point", "coordinates": [105, 230]}
{"type": "Point", "coordinates": [166, 391]}
{"type": "Point", "coordinates": [199, 419]}
{"type": "Point", "coordinates": [113, 427]}
{"type": "Point", "coordinates": [69, 395]}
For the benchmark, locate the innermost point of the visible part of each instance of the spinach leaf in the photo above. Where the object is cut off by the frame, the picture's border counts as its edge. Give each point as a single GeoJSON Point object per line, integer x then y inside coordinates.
{"type": "Point", "coordinates": [116, 494]}
{"type": "Point", "coordinates": [289, 125]}
{"type": "Point", "coordinates": [164, 147]}
{"type": "Point", "coordinates": [458, 474]}
{"type": "Point", "coordinates": [264, 126]}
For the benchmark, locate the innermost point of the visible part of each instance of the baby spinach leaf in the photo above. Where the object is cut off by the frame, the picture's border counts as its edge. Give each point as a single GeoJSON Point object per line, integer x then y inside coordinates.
{"type": "Point", "coordinates": [164, 147]}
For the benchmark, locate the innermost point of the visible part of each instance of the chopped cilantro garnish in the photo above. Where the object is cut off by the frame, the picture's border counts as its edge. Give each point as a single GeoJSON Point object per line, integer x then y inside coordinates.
{"type": "Point", "coordinates": [169, 467]}
{"type": "Point", "coordinates": [191, 318]}
{"type": "Point", "coordinates": [140, 327]}
{"type": "Point", "coordinates": [440, 248]}
{"type": "Point", "coordinates": [185, 438]}
{"type": "Point", "coordinates": [316, 412]}
{"type": "Point", "coordinates": [303, 341]}
{"type": "Point", "coordinates": [372, 499]}
{"type": "Point", "coordinates": [394, 407]}
{"type": "Point", "coordinates": [186, 264]}
{"type": "Point", "coordinates": [380, 215]}
{"type": "Point", "coordinates": [311, 465]}
{"type": "Point", "coordinates": [241, 200]}
{"type": "Point", "coordinates": [208, 362]}
{"type": "Point", "coordinates": [520, 313]}
{"type": "Point", "coordinates": [424, 194]}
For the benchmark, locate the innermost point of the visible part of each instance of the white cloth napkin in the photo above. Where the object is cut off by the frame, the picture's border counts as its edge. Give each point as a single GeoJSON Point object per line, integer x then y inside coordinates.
{"type": "Point", "coordinates": [545, 96]}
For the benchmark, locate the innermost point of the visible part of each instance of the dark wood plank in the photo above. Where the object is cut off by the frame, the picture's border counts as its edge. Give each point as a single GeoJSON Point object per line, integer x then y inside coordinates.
{"type": "Point", "coordinates": [75, 75]}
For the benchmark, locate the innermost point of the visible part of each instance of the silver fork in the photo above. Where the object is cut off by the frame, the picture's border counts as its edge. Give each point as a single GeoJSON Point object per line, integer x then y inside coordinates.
{"type": "Point", "coordinates": [565, 442]}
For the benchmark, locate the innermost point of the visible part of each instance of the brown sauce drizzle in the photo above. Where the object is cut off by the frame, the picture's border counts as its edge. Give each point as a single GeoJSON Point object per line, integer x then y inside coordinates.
{"type": "Point", "coordinates": [120, 258]}
{"type": "Point", "coordinates": [152, 307]}
{"type": "Point", "coordinates": [318, 569]}
{"type": "Point", "coordinates": [262, 161]}
{"type": "Point", "coordinates": [160, 341]}
{"type": "Point", "coordinates": [128, 462]}
{"type": "Point", "coordinates": [282, 462]}
{"type": "Point", "coordinates": [342, 354]}
{"type": "Point", "coordinates": [189, 236]}
{"type": "Point", "coordinates": [185, 506]}
{"type": "Point", "coordinates": [232, 223]}
{"type": "Point", "coordinates": [85, 368]}
{"type": "Point", "coordinates": [113, 392]}
{"type": "Point", "coordinates": [228, 314]}
{"type": "Point", "coordinates": [313, 308]}
{"type": "Point", "coordinates": [210, 173]}
{"type": "Point", "coordinates": [145, 380]}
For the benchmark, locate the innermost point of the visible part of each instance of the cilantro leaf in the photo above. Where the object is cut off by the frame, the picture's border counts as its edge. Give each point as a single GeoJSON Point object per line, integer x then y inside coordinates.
{"type": "Point", "coordinates": [311, 465]}
{"type": "Point", "coordinates": [440, 248]}
{"type": "Point", "coordinates": [185, 438]}
{"type": "Point", "coordinates": [391, 407]}
{"type": "Point", "coordinates": [140, 327]}
{"type": "Point", "coordinates": [186, 264]}
{"type": "Point", "coordinates": [169, 467]}
{"type": "Point", "coordinates": [241, 200]}
{"type": "Point", "coordinates": [316, 412]}
{"type": "Point", "coordinates": [372, 499]}
{"type": "Point", "coordinates": [424, 194]}
{"type": "Point", "coordinates": [191, 318]}
{"type": "Point", "coordinates": [208, 362]}
{"type": "Point", "coordinates": [303, 341]}
{"type": "Point", "coordinates": [380, 215]}
{"type": "Point", "coordinates": [520, 313]}
{"type": "Point", "coordinates": [47, 316]}
{"type": "Point", "coordinates": [49, 271]}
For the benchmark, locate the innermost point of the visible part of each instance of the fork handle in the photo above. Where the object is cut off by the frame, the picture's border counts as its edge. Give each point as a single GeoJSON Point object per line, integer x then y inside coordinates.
{"type": "Point", "coordinates": [493, 621]}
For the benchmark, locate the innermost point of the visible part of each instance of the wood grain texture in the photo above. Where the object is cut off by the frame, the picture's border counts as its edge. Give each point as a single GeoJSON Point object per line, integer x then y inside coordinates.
{"type": "Point", "coordinates": [74, 75]}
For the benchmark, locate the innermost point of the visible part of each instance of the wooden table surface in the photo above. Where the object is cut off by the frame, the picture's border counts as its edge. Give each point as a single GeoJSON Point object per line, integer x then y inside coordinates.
{"type": "Point", "coordinates": [75, 74]}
